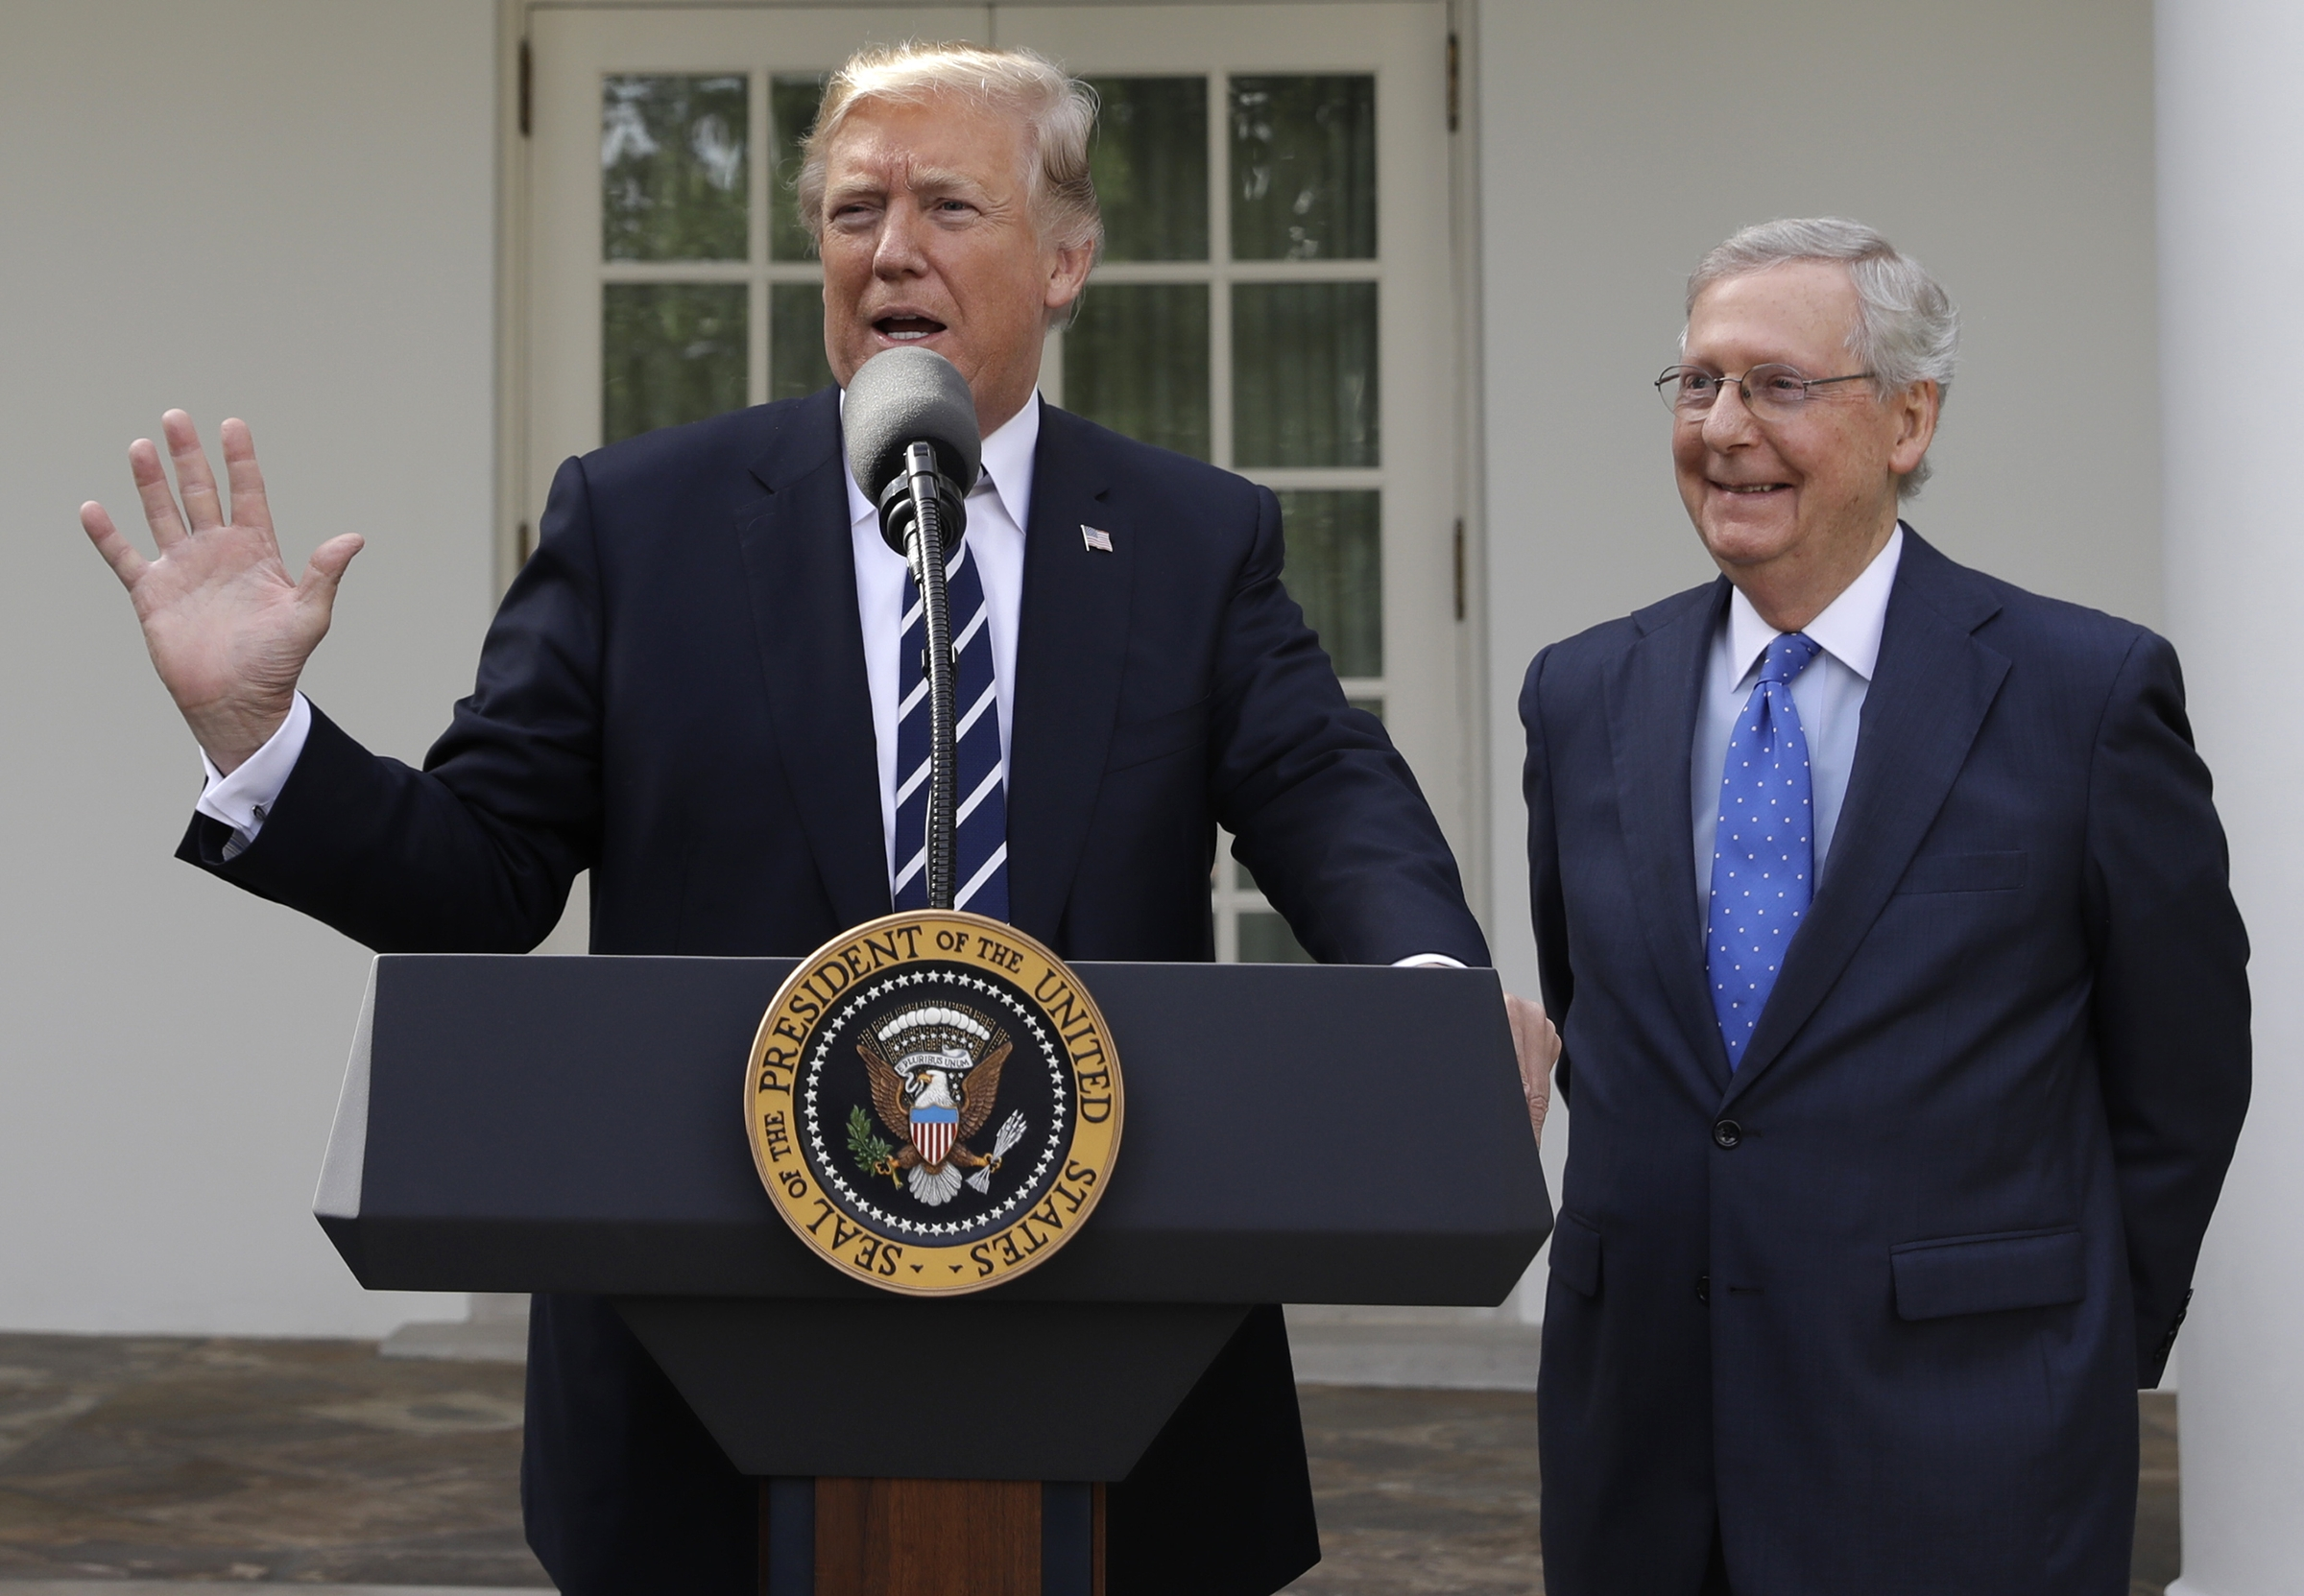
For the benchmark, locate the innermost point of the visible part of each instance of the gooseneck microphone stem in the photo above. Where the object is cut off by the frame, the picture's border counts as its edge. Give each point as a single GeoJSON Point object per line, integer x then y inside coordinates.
{"type": "Point", "coordinates": [909, 424]}
{"type": "Point", "coordinates": [923, 548]}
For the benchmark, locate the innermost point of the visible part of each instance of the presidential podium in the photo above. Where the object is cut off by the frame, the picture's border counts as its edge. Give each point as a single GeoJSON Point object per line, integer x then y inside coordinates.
{"type": "Point", "coordinates": [1293, 1133]}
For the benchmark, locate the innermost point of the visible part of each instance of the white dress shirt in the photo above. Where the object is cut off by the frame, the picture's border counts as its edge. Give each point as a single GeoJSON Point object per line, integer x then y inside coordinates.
{"type": "Point", "coordinates": [998, 510]}
{"type": "Point", "coordinates": [1828, 695]}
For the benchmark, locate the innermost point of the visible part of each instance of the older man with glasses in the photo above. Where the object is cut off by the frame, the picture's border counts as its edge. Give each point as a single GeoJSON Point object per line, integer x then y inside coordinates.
{"type": "Point", "coordinates": [1884, 911]}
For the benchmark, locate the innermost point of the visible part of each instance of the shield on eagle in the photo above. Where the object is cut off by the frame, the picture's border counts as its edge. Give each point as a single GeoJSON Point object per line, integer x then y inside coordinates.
{"type": "Point", "coordinates": [932, 1132]}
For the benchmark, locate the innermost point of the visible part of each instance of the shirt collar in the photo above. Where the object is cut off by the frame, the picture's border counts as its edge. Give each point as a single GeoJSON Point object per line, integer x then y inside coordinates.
{"type": "Point", "coordinates": [1849, 628]}
{"type": "Point", "coordinates": [1008, 455]}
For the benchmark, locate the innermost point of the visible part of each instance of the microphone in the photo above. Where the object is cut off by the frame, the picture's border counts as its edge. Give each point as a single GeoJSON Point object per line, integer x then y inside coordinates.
{"type": "Point", "coordinates": [898, 399]}
{"type": "Point", "coordinates": [910, 426]}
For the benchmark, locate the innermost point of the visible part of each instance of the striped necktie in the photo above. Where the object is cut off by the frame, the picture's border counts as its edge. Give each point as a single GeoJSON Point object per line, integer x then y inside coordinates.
{"type": "Point", "coordinates": [1763, 863]}
{"type": "Point", "coordinates": [980, 840]}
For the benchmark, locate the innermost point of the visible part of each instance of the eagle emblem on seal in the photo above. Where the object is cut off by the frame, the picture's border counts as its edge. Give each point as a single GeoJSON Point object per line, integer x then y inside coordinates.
{"type": "Point", "coordinates": [935, 1075]}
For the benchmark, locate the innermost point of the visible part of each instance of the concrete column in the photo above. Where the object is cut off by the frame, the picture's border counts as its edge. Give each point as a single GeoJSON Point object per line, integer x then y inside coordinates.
{"type": "Point", "coordinates": [2231, 177]}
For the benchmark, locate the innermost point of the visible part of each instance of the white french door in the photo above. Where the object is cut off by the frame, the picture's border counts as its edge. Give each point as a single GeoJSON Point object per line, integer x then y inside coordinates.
{"type": "Point", "coordinates": [1276, 295]}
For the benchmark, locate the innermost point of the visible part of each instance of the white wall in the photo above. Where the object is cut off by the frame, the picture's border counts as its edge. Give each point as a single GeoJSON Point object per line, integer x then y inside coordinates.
{"type": "Point", "coordinates": [2232, 257]}
{"type": "Point", "coordinates": [2010, 148]}
{"type": "Point", "coordinates": [281, 210]}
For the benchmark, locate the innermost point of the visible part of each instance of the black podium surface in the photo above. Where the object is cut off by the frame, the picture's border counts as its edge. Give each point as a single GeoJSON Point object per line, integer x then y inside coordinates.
{"type": "Point", "coordinates": [1298, 1133]}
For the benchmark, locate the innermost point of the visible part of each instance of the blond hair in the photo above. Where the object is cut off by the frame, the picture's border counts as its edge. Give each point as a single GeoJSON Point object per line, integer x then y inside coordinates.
{"type": "Point", "coordinates": [1058, 113]}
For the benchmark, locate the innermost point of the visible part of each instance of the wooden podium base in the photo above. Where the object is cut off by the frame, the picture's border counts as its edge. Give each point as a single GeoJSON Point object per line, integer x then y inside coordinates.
{"type": "Point", "coordinates": [931, 1538]}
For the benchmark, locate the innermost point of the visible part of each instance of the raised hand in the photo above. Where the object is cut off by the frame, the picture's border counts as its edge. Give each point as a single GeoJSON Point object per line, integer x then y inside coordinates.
{"type": "Point", "coordinates": [1537, 1045]}
{"type": "Point", "coordinates": [228, 631]}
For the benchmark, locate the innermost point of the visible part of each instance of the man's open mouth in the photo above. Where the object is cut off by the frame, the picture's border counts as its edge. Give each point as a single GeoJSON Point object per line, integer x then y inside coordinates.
{"type": "Point", "coordinates": [906, 329]}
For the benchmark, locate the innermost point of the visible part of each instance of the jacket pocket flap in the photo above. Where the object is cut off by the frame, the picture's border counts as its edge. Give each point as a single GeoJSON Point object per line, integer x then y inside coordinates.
{"type": "Point", "coordinates": [1981, 1275]}
{"type": "Point", "coordinates": [1965, 872]}
{"type": "Point", "coordinates": [1576, 1256]}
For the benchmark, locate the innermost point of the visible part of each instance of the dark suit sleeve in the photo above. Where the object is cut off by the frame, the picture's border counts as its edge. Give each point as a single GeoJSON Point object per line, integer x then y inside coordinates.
{"type": "Point", "coordinates": [1328, 815]}
{"type": "Point", "coordinates": [475, 852]}
{"type": "Point", "coordinates": [2172, 990]}
{"type": "Point", "coordinates": [1547, 906]}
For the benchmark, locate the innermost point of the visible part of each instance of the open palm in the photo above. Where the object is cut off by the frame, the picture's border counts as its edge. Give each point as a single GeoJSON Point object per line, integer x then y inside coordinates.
{"type": "Point", "coordinates": [227, 630]}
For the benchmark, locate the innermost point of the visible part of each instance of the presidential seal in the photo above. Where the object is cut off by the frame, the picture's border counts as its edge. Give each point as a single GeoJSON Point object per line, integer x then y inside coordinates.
{"type": "Point", "coordinates": [933, 1101]}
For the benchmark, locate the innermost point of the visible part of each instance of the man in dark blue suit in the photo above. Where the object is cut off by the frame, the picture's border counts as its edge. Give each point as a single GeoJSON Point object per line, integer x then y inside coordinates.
{"type": "Point", "coordinates": [1884, 913]}
{"type": "Point", "coordinates": [697, 690]}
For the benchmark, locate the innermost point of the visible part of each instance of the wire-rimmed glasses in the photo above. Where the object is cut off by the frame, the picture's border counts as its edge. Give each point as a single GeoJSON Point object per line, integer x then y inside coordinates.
{"type": "Point", "coordinates": [1770, 390]}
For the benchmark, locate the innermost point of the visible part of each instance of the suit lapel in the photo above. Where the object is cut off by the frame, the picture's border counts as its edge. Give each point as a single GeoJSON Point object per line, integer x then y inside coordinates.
{"type": "Point", "coordinates": [801, 571]}
{"type": "Point", "coordinates": [1653, 694]}
{"type": "Point", "coordinates": [1072, 648]}
{"type": "Point", "coordinates": [1932, 687]}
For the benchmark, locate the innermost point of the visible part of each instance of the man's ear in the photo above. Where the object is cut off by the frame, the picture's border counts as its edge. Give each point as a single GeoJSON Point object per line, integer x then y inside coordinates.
{"type": "Point", "coordinates": [1915, 411]}
{"type": "Point", "coordinates": [1068, 275]}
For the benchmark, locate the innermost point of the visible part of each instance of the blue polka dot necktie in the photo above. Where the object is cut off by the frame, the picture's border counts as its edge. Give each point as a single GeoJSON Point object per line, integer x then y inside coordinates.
{"type": "Point", "coordinates": [981, 836]}
{"type": "Point", "coordinates": [1763, 861]}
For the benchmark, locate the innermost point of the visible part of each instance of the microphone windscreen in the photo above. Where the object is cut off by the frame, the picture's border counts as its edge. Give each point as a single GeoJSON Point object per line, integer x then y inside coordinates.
{"type": "Point", "coordinates": [900, 397]}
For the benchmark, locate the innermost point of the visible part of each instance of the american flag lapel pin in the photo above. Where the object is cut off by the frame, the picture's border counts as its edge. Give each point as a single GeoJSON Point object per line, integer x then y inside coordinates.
{"type": "Point", "coordinates": [1095, 539]}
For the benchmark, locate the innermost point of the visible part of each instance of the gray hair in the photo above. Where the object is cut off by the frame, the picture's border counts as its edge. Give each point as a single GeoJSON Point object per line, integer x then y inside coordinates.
{"type": "Point", "coordinates": [1059, 114]}
{"type": "Point", "coordinates": [1906, 330]}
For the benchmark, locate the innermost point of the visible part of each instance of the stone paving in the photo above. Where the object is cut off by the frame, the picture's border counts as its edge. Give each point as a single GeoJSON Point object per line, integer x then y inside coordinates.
{"type": "Point", "coordinates": [319, 1464]}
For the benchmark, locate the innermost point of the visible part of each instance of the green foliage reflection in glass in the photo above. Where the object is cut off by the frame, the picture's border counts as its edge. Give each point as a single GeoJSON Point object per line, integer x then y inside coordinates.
{"type": "Point", "coordinates": [796, 362]}
{"type": "Point", "coordinates": [792, 101]}
{"type": "Point", "coordinates": [1136, 360]}
{"type": "Point", "coordinates": [672, 167]}
{"type": "Point", "coordinates": [1304, 375]}
{"type": "Point", "coordinates": [1150, 165]}
{"type": "Point", "coordinates": [1303, 168]}
{"type": "Point", "coordinates": [1336, 570]}
{"type": "Point", "coordinates": [669, 353]}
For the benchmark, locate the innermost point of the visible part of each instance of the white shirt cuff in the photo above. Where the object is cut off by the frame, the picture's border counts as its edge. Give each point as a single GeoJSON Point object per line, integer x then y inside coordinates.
{"type": "Point", "coordinates": [1431, 961]}
{"type": "Point", "coordinates": [243, 798]}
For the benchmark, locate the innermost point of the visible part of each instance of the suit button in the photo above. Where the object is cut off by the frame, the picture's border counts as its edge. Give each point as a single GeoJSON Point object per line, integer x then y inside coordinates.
{"type": "Point", "coordinates": [1726, 1132]}
{"type": "Point", "coordinates": [1704, 1288]}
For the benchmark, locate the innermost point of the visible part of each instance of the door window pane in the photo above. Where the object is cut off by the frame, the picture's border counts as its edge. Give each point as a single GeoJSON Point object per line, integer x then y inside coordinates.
{"type": "Point", "coordinates": [1336, 570]}
{"type": "Point", "coordinates": [669, 353]}
{"type": "Point", "coordinates": [1266, 939]}
{"type": "Point", "coordinates": [796, 362]}
{"type": "Point", "coordinates": [1136, 360]}
{"type": "Point", "coordinates": [792, 101]}
{"type": "Point", "coordinates": [1150, 163]}
{"type": "Point", "coordinates": [1303, 168]}
{"type": "Point", "coordinates": [1304, 375]}
{"type": "Point", "coordinates": [672, 167]}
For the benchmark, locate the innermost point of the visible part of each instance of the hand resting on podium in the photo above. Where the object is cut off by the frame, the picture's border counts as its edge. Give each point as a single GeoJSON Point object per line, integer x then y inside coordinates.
{"type": "Point", "coordinates": [1536, 1043]}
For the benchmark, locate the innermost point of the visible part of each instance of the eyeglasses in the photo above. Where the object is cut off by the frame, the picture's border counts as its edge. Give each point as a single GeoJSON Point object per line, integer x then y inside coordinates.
{"type": "Point", "coordinates": [1768, 390]}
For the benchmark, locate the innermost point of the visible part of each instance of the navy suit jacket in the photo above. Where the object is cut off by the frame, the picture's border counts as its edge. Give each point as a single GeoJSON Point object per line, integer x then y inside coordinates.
{"type": "Point", "coordinates": [674, 696]}
{"type": "Point", "coordinates": [1874, 1303]}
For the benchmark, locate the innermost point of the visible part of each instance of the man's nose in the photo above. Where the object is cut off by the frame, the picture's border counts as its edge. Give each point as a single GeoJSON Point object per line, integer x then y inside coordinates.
{"type": "Point", "coordinates": [897, 253]}
{"type": "Point", "coordinates": [1729, 421]}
